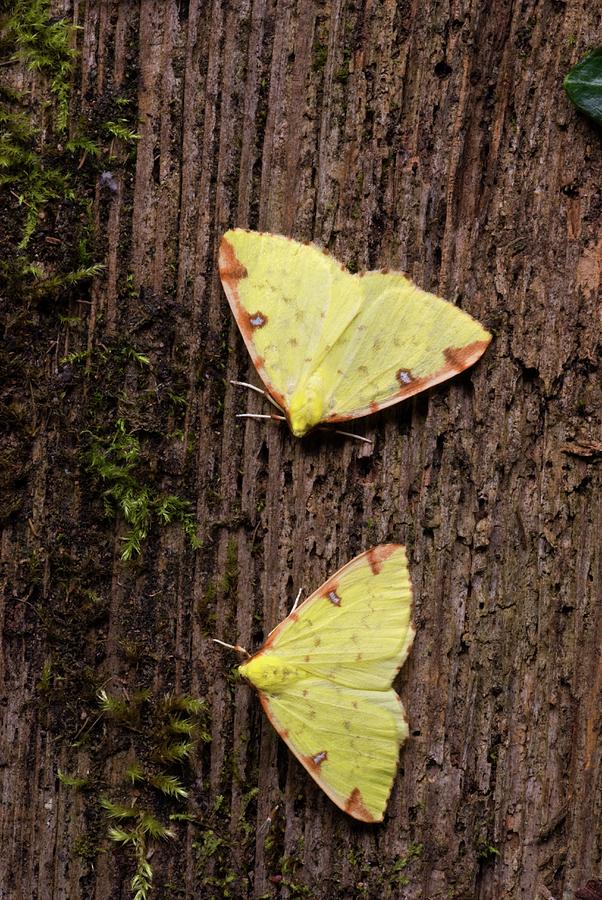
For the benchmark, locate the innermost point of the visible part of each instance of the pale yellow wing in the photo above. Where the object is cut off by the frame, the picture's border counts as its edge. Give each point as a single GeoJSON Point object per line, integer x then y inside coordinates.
{"type": "Point", "coordinates": [356, 629]}
{"type": "Point", "coordinates": [291, 302]}
{"type": "Point", "coordinates": [348, 740]}
{"type": "Point", "coordinates": [402, 341]}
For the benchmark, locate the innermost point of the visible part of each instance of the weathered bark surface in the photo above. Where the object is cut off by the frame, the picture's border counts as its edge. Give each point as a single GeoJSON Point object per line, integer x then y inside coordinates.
{"type": "Point", "coordinates": [433, 137]}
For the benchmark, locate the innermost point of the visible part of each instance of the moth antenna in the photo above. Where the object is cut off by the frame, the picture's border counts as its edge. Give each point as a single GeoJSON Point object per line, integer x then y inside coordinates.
{"type": "Point", "coordinates": [247, 385]}
{"type": "Point", "coordinates": [357, 437]}
{"type": "Point", "coordinates": [258, 390]}
{"type": "Point", "coordinates": [235, 647]}
{"type": "Point", "coordinates": [296, 603]}
{"type": "Point", "coordinates": [260, 416]}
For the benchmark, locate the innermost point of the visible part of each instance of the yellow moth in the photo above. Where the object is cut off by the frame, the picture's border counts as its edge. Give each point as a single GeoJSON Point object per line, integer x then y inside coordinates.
{"type": "Point", "coordinates": [324, 677]}
{"type": "Point", "coordinates": [331, 346]}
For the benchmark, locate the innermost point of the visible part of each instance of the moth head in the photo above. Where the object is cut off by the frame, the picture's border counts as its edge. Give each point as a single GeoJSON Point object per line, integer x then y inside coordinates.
{"type": "Point", "coordinates": [268, 672]}
{"type": "Point", "coordinates": [306, 406]}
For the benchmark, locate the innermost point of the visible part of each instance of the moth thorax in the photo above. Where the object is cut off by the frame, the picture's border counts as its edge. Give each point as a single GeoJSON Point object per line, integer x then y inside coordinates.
{"type": "Point", "coordinates": [306, 407]}
{"type": "Point", "coordinates": [269, 673]}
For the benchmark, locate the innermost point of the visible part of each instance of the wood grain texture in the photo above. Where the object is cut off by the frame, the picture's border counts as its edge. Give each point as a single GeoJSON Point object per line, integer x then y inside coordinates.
{"type": "Point", "coordinates": [430, 137]}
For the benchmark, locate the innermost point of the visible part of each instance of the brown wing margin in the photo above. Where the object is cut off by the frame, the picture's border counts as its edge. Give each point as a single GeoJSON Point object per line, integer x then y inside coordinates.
{"type": "Point", "coordinates": [231, 273]}
{"type": "Point", "coordinates": [353, 805]}
{"type": "Point", "coordinates": [458, 359]}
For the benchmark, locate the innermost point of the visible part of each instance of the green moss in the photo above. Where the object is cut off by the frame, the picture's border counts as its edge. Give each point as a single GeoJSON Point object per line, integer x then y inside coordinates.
{"type": "Point", "coordinates": [43, 43]}
{"type": "Point", "coordinates": [137, 829]}
{"type": "Point", "coordinates": [44, 685]}
{"type": "Point", "coordinates": [37, 165]}
{"type": "Point", "coordinates": [485, 849]}
{"type": "Point", "coordinates": [122, 130]}
{"type": "Point", "coordinates": [24, 171]}
{"type": "Point", "coordinates": [114, 459]}
{"type": "Point", "coordinates": [212, 853]}
{"type": "Point", "coordinates": [85, 847]}
{"type": "Point", "coordinates": [229, 581]}
{"type": "Point", "coordinates": [342, 73]}
{"type": "Point", "coordinates": [319, 57]}
{"type": "Point", "coordinates": [31, 37]}
{"type": "Point", "coordinates": [73, 781]}
{"type": "Point", "coordinates": [396, 875]}
{"type": "Point", "coordinates": [158, 728]}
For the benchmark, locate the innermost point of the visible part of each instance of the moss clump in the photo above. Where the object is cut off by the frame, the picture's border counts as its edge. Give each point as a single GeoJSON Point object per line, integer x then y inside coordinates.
{"type": "Point", "coordinates": [24, 171]}
{"type": "Point", "coordinates": [114, 459]}
{"type": "Point", "coordinates": [229, 581]}
{"type": "Point", "coordinates": [44, 44]}
{"type": "Point", "coordinates": [163, 733]}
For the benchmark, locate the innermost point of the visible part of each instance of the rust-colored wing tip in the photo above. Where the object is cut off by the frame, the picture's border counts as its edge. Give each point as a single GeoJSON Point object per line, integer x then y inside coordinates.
{"type": "Point", "coordinates": [355, 807]}
{"type": "Point", "coordinates": [231, 270]}
{"type": "Point", "coordinates": [378, 555]}
{"type": "Point", "coordinates": [460, 358]}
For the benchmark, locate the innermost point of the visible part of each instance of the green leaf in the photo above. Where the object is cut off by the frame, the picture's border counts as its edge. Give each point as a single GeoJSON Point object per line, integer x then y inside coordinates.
{"type": "Point", "coordinates": [583, 84]}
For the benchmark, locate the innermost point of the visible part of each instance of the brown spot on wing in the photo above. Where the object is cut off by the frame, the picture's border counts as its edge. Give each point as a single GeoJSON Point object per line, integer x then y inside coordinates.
{"type": "Point", "coordinates": [330, 587]}
{"type": "Point", "coordinates": [377, 556]}
{"type": "Point", "coordinates": [404, 377]}
{"type": "Point", "coordinates": [314, 762]}
{"type": "Point", "coordinates": [257, 319]}
{"type": "Point", "coordinates": [355, 807]}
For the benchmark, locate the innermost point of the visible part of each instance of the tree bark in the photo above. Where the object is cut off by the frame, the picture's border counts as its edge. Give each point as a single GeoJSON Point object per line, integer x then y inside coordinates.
{"type": "Point", "coordinates": [430, 137]}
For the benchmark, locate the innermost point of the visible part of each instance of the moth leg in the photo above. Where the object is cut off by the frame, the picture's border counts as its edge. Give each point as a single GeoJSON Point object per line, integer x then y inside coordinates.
{"type": "Point", "coordinates": [357, 437]}
{"type": "Point", "coordinates": [268, 822]}
{"type": "Point", "coordinates": [296, 603]}
{"type": "Point", "coordinates": [236, 647]}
